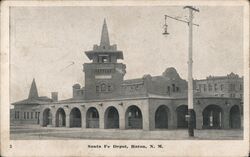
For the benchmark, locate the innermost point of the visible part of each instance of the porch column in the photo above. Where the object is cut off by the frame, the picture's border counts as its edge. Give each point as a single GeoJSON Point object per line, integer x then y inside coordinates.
{"type": "Point", "coordinates": [225, 119]}
{"type": "Point", "coordinates": [53, 112]}
{"type": "Point", "coordinates": [101, 119]}
{"type": "Point", "coordinates": [122, 119]}
{"type": "Point", "coordinates": [67, 120]}
{"type": "Point", "coordinates": [173, 119]}
{"type": "Point", "coordinates": [199, 119]}
{"type": "Point", "coordinates": [83, 118]}
{"type": "Point", "coordinates": [145, 117]}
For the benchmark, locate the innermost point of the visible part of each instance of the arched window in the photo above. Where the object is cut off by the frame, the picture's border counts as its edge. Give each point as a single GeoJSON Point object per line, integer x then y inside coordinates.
{"type": "Point", "coordinates": [173, 85]}
{"type": "Point", "coordinates": [103, 87]}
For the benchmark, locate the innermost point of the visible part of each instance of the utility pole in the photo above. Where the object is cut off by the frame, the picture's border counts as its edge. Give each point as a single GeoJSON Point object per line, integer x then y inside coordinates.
{"type": "Point", "coordinates": [190, 23]}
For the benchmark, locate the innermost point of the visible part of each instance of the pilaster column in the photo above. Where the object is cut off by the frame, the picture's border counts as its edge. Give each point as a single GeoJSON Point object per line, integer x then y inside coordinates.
{"type": "Point", "coordinates": [67, 120]}
{"type": "Point", "coordinates": [173, 119]}
{"type": "Point", "coordinates": [83, 119]}
{"type": "Point", "coordinates": [145, 117]}
{"type": "Point", "coordinates": [225, 119]}
{"type": "Point", "coordinates": [122, 119]}
{"type": "Point", "coordinates": [199, 118]}
{"type": "Point", "coordinates": [41, 122]}
{"type": "Point", "coordinates": [101, 119]}
{"type": "Point", "coordinates": [53, 118]}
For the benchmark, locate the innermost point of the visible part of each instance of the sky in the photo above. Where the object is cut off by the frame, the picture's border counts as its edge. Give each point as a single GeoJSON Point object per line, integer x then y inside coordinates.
{"type": "Point", "coordinates": [44, 41]}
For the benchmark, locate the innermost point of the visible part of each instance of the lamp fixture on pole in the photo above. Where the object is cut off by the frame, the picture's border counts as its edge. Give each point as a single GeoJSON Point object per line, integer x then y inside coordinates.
{"type": "Point", "coordinates": [191, 113]}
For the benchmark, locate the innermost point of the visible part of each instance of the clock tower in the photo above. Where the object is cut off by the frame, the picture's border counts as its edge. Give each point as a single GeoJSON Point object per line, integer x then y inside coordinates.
{"type": "Point", "coordinates": [104, 75]}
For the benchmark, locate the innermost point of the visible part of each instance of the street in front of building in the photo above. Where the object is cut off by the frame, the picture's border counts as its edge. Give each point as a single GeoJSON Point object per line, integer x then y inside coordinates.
{"type": "Point", "coordinates": [41, 133]}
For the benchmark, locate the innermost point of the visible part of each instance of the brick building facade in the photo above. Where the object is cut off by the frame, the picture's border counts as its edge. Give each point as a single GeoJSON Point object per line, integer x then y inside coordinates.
{"type": "Point", "coordinates": [148, 103]}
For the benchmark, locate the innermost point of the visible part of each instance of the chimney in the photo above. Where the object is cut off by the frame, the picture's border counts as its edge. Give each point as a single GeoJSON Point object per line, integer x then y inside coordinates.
{"type": "Point", "coordinates": [76, 87]}
{"type": "Point", "coordinates": [54, 96]}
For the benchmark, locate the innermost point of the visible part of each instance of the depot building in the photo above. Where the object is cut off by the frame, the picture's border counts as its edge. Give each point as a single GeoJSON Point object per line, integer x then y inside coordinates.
{"type": "Point", "coordinates": [150, 102]}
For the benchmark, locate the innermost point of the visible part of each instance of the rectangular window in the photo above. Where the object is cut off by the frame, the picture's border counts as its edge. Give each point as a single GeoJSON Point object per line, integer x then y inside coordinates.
{"type": "Point", "coordinates": [109, 88]}
{"type": "Point", "coordinates": [215, 87]}
{"type": "Point", "coordinates": [173, 86]}
{"type": "Point", "coordinates": [221, 87]}
{"type": "Point", "coordinates": [232, 87]}
{"type": "Point", "coordinates": [232, 95]}
{"type": "Point", "coordinates": [210, 87]}
{"type": "Point", "coordinates": [200, 87]}
{"type": "Point", "coordinates": [177, 89]}
{"type": "Point", "coordinates": [168, 90]}
{"type": "Point", "coordinates": [24, 115]}
{"type": "Point", "coordinates": [205, 87]}
{"type": "Point", "coordinates": [97, 89]}
{"type": "Point", "coordinates": [28, 115]}
{"type": "Point", "coordinates": [17, 114]}
{"type": "Point", "coordinates": [36, 115]}
{"type": "Point", "coordinates": [104, 59]}
{"type": "Point", "coordinates": [31, 115]}
{"type": "Point", "coordinates": [241, 87]}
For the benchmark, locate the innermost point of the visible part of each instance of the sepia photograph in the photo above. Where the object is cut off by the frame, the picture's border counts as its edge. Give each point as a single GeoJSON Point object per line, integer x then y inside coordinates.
{"type": "Point", "coordinates": [116, 79]}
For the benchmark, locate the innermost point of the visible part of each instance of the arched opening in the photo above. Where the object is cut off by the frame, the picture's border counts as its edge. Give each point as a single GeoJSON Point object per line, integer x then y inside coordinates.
{"type": "Point", "coordinates": [182, 111]}
{"type": "Point", "coordinates": [111, 118]}
{"type": "Point", "coordinates": [162, 117]}
{"type": "Point", "coordinates": [235, 117]}
{"type": "Point", "coordinates": [133, 118]}
{"type": "Point", "coordinates": [75, 118]}
{"type": "Point", "coordinates": [212, 117]}
{"type": "Point", "coordinates": [47, 117]}
{"type": "Point", "coordinates": [60, 118]}
{"type": "Point", "coordinates": [92, 119]}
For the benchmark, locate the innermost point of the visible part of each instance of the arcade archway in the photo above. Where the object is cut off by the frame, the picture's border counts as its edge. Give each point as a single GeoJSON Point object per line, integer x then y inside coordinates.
{"type": "Point", "coordinates": [133, 118]}
{"type": "Point", "coordinates": [181, 112]}
{"type": "Point", "coordinates": [47, 117]}
{"type": "Point", "coordinates": [212, 117]}
{"type": "Point", "coordinates": [75, 118]}
{"type": "Point", "coordinates": [162, 117]}
{"type": "Point", "coordinates": [111, 118]}
{"type": "Point", "coordinates": [92, 118]}
{"type": "Point", "coordinates": [235, 117]}
{"type": "Point", "coordinates": [60, 118]}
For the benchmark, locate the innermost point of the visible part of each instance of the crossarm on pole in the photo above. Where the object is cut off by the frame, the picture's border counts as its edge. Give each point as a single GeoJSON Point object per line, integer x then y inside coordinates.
{"type": "Point", "coordinates": [180, 20]}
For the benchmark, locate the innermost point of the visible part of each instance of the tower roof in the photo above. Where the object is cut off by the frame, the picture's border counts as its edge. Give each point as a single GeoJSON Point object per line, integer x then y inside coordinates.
{"type": "Point", "coordinates": [104, 47]}
{"type": "Point", "coordinates": [33, 90]}
{"type": "Point", "coordinates": [105, 35]}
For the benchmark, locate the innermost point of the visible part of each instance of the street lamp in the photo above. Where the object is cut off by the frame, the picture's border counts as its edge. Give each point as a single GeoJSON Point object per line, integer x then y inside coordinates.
{"type": "Point", "coordinates": [190, 65]}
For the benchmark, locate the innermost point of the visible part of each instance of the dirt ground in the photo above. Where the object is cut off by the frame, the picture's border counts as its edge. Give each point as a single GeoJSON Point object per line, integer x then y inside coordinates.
{"type": "Point", "coordinates": [37, 133]}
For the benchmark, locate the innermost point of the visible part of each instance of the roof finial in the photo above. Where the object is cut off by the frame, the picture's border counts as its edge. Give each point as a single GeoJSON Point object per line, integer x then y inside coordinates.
{"type": "Point", "coordinates": [33, 90]}
{"type": "Point", "coordinates": [105, 35]}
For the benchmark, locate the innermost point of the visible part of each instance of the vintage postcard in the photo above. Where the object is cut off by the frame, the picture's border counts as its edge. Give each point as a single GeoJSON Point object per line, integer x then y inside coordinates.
{"type": "Point", "coordinates": [124, 78]}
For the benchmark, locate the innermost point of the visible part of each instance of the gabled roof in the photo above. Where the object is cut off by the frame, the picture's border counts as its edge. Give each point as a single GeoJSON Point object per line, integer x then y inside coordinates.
{"type": "Point", "coordinates": [38, 101]}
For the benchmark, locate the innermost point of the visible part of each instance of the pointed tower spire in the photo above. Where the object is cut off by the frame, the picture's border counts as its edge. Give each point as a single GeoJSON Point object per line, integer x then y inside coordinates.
{"type": "Point", "coordinates": [105, 35]}
{"type": "Point", "coordinates": [33, 90]}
